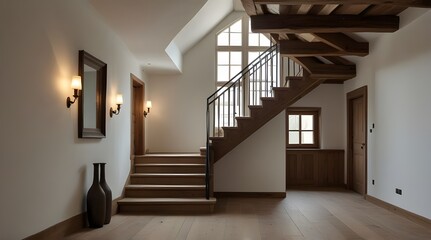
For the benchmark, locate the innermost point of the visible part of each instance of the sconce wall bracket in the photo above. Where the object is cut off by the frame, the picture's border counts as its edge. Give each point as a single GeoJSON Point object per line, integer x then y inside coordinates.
{"type": "Point", "coordinates": [116, 112]}
{"type": "Point", "coordinates": [146, 112]}
{"type": "Point", "coordinates": [69, 102]}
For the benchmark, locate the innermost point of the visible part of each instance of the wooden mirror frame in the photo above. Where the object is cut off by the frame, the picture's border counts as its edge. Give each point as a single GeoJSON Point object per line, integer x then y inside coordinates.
{"type": "Point", "coordinates": [101, 68]}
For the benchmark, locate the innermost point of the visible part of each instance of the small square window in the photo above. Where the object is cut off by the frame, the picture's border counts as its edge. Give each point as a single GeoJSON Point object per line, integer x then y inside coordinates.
{"type": "Point", "coordinates": [302, 127]}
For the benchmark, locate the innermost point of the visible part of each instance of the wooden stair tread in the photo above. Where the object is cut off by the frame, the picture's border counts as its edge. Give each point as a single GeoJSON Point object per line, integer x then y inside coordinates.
{"type": "Point", "coordinates": [173, 155]}
{"type": "Point", "coordinates": [169, 164]}
{"type": "Point", "coordinates": [143, 201]}
{"type": "Point", "coordinates": [165, 187]}
{"type": "Point", "coordinates": [268, 99]}
{"type": "Point", "coordinates": [216, 138]}
{"type": "Point", "coordinates": [282, 89]}
{"type": "Point", "coordinates": [167, 174]}
{"type": "Point", "coordinates": [255, 106]}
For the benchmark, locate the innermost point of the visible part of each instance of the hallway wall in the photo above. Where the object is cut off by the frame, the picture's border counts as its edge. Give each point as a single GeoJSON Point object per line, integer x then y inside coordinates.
{"type": "Point", "coordinates": [45, 170]}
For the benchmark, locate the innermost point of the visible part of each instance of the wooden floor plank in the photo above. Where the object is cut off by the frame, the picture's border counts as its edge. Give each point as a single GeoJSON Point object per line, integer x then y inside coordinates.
{"type": "Point", "coordinates": [302, 215]}
{"type": "Point", "coordinates": [161, 228]}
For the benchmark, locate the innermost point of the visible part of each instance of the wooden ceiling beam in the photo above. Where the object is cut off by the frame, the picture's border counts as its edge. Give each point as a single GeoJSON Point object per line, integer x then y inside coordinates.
{"type": "Point", "coordinates": [302, 49]}
{"type": "Point", "coordinates": [351, 9]}
{"type": "Point", "coordinates": [343, 42]}
{"type": "Point", "coordinates": [328, 9]}
{"type": "Point", "coordinates": [338, 60]}
{"type": "Point", "coordinates": [403, 3]}
{"type": "Point", "coordinates": [304, 8]}
{"type": "Point", "coordinates": [249, 7]}
{"type": "Point", "coordinates": [323, 24]}
{"type": "Point", "coordinates": [326, 71]}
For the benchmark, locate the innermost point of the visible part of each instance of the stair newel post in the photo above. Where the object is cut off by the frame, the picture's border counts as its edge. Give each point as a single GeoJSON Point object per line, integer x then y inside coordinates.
{"type": "Point", "coordinates": [207, 156]}
{"type": "Point", "coordinates": [108, 193]}
{"type": "Point", "coordinates": [96, 201]}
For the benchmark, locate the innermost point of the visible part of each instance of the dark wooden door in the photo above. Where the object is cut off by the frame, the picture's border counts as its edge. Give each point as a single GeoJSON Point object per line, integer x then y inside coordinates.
{"type": "Point", "coordinates": [138, 118]}
{"type": "Point", "coordinates": [359, 153]}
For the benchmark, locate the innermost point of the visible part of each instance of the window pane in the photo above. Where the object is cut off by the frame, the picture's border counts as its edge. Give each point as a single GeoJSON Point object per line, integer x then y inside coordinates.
{"type": "Point", "coordinates": [234, 70]}
{"type": "Point", "coordinates": [235, 58]}
{"type": "Point", "coordinates": [223, 39]}
{"type": "Point", "coordinates": [293, 137]}
{"type": "Point", "coordinates": [264, 41]}
{"type": "Point", "coordinates": [222, 73]}
{"type": "Point", "coordinates": [223, 58]}
{"type": "Point", "coordinates": [235, 39]}
{"type": "Point", "coordinates": [252, 56]}
{"type": "Point", "coordinates": [236, 27]}
{"type": "Point", "coordinates": [253, 39]}
{"type": "Point", "coordinates": [294, 122]}
{"type": "Point", "coordinates": [307, 122]}
{"type": "Point", "coordinates": [307, 137]}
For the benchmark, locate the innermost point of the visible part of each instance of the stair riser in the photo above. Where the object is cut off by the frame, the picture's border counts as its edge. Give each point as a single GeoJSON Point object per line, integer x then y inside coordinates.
{"type": "Point", "coordinates": [159, 169]}
{"type": "Point", "coordinates": [167, 181]}
{"type": "Point", "coordinates": [170, 159]}
{"type": "Point", "coordinates": [149, 193]}
{"type": "Point", "coordinates": [256, 111]}
{"type": "Point", "coordinates": [167, 208]}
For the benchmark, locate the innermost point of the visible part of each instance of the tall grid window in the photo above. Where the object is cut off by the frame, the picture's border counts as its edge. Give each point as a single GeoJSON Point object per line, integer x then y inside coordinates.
{"type": "Point", "coordinates": [237, 46]}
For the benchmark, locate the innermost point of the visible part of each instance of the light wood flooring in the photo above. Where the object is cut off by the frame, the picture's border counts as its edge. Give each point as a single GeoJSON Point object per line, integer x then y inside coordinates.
{"type": "Point", "coordinates": [302, 214]}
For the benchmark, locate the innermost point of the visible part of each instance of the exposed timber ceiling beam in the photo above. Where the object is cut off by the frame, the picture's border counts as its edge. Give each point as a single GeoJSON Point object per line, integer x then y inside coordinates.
{"type": "Point", "coordinates": [343, 42]}
{"type": "Point", "coordinates": [403, 3]}
{"type": "Point", "coordinates": [338, 60]}
{"type": "Point", "coordinates": [323, 24]}
{"type": "Point", "coordinates": [304, 49]}
{"type": "Point", "coordinates": [249, 7]}
{"type": "Point", "coordinates": [326, 71]}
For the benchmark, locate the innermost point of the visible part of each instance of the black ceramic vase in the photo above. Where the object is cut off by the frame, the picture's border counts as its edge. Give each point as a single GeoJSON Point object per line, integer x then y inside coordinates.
{"type": "Point", "coordinates": [96, 201]}
{"type": "Point", "coordinates": [108, 193]}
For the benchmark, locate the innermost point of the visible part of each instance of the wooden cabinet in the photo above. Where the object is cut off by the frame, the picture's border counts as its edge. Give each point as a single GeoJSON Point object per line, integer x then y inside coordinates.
{"type": "Point", "coordinates": [319, 168]}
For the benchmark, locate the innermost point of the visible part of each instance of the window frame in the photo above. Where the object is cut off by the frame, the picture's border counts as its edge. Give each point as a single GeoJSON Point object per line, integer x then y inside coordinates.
{"type": "Point", "coordinates": [315, 112]}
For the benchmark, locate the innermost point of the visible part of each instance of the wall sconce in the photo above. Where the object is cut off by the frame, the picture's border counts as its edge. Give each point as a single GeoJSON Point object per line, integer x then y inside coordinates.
{"type": "Point", "coordinates": [149, 106]}
{"type": "Point", "coordinates": [118, 101]}
{"type": "Point", "coordinates": [76, 86]}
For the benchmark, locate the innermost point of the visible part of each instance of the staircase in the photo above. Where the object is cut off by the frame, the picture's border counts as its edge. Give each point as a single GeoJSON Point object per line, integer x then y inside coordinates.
{"type": "Point", "coordinates": [257, 94]}
{"type": "Point", "coordinates": [181, 183]}
{"type": "Point", "coordinates": [167, 183]}
{"type": "Point", "coordinates": [259, 115]}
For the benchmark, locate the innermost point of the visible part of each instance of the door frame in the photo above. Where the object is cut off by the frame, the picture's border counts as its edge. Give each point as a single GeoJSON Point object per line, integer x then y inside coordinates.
{"type": "Point", "coordinates": [350, 96]}
{"type": "Point", "coordinates": [137, 85]}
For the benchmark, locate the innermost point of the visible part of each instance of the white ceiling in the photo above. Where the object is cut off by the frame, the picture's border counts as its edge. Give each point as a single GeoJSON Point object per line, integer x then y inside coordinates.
{"type": "Point", "coordinates": [159, 32]}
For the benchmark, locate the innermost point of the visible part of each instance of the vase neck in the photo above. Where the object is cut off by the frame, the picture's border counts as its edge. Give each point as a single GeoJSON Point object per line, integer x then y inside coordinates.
{"type": "Point", "coordinates": [96, 173]}
{"type": "Point", "coordinates": [102, 172]}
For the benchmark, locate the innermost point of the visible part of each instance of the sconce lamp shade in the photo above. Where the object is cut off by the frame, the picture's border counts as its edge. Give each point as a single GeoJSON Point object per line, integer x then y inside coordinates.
{"type": "Point", "coordinates": [119, 99]}
{"type": "Point", "coordinates": [76, 83]}
{"type": "Point", "coordinates": [149, 104]}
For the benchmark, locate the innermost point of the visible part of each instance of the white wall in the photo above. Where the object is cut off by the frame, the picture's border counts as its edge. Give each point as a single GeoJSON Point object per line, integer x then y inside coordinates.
{"type": "Point", "coordinates": [397, 73]}
{"type": "Point", "coordinates": [330, 98]}
{"type": "Point", "coordinates": [177, 121]}
{"type": "Point", "coordinates": [258, 164]}
{"type": "Point", "coordinates": [45, 170]}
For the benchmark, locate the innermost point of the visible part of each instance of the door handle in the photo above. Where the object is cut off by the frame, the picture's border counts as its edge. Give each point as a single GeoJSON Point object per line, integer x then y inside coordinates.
{"type": "Point", "coordinates": [362, 145]}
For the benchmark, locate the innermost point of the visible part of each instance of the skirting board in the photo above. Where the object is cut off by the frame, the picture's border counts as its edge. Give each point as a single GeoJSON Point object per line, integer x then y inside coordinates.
{"type": "Point", "coordinates": [251, 194]}
{"type": "Point", "coordinates": [402, 212]}
{"type": "Point", "coordinates": [67, 227]}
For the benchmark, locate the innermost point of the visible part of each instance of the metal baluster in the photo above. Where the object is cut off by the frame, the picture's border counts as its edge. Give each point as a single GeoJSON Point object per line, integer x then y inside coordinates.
{"type": "Point", "coordinates": [228, 108]}
{"type": "Point", "coordinates": [218, 115]}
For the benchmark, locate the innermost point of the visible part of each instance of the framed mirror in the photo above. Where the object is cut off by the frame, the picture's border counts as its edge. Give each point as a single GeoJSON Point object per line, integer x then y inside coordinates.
{"type": "Point", "coordinates": [92, 100]}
